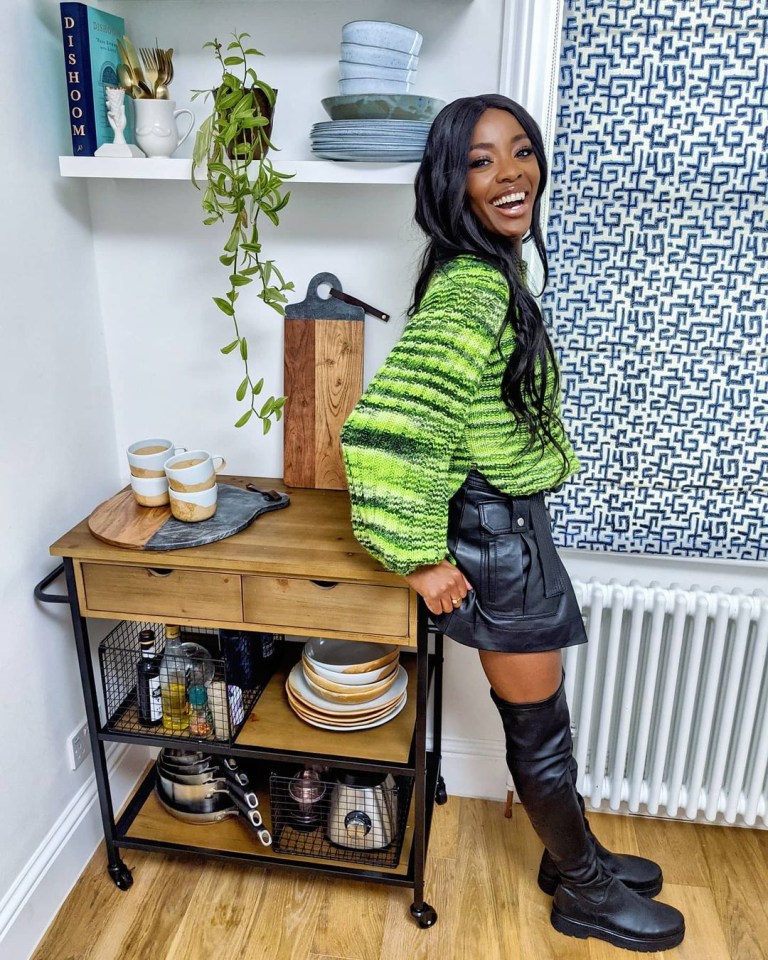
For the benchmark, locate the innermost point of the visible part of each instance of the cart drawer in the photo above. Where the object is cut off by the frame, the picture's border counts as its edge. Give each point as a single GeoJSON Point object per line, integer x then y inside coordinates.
{"type": "Point", "coordinates": [322, 605]}
{"type": "Point", "coordinates": [160, 593]}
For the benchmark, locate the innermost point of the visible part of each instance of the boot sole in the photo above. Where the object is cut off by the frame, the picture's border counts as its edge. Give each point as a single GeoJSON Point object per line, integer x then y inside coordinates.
{"type": "Point", "coordinates": [550, 884]}
{"type": "Point", "coordinates": [575, 928]}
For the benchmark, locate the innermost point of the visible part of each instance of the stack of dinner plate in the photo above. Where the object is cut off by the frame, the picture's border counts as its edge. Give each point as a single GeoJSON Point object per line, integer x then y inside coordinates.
{"type": "Point", "coordinates": [400, 140]}
{"type": "Point", "coordinates": [347, 685]}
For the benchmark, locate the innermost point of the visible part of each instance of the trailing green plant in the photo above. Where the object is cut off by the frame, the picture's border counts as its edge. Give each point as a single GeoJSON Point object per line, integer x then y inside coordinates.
{"type": "Point", "coordinates": [241, 185]}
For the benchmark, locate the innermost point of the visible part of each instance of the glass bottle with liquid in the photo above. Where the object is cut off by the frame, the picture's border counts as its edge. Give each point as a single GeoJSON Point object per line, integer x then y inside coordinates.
{"type": "Point", "coordinates": [148, 693]}
{"type": "Point", "coordinates": [200, 716]}
{"type": "Point", "coordinates": [173, 681]}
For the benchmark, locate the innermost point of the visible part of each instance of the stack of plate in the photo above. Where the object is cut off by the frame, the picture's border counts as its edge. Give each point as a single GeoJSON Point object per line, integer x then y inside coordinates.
{"type": "Point", "coordinates": [346, 685]}
{"type": "Point", "coordinates": [370, 139]}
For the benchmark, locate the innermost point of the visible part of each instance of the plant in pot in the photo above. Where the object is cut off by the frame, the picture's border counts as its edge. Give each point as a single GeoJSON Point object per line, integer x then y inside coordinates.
{"type": "Point", "coordinates": [240, 185]}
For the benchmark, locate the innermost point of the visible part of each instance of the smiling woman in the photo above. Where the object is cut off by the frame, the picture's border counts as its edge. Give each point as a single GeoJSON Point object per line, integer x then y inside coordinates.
{"type": "Point", "coordinates": [449, 454]}
{"type": "Point", "coordinates": [503, 178]}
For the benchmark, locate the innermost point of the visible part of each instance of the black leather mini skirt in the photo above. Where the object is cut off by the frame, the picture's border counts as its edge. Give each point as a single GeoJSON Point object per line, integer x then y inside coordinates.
{"type": "Point", "coordinates": [523, 599]}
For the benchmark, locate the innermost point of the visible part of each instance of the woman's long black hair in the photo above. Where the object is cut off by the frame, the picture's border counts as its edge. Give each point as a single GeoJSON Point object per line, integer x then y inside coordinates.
{"type": "Point", "coordinates": [444, 214]}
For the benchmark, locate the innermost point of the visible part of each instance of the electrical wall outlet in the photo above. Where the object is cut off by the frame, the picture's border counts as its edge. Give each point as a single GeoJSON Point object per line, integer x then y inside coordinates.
{"type": "Point", "coordinates": [78, 745]}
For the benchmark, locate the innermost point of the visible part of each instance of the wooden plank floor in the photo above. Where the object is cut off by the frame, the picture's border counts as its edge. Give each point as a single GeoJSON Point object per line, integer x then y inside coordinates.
{"type": "Point", "coordinates": [481, 880]}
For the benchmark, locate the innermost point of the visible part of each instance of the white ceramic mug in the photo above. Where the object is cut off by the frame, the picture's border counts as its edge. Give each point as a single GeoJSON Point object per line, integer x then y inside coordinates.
{"type": "Point", "coordinates": [146, 458]}
{"type": "Point", "coordinates": [193, 470]}
{"type": "Point", "coordinates": [155, 126]}
{"type": "Point", "coordinates": [150, 491]}
{"type": "Point", "coordinates": [194, 507]}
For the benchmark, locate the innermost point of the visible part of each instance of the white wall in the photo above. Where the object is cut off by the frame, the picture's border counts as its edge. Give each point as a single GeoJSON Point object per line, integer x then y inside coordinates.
{"type": "Point", "coordinates": [58, 443]}
{"type": "Point", "coordinates": [158, 264]}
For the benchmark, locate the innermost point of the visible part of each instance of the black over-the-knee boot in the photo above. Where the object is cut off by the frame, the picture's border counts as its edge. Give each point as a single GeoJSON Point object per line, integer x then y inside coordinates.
{"type": "Point", "coordinates": [589, 901]}
{"type": "Point", "coordinates": [638, 873]}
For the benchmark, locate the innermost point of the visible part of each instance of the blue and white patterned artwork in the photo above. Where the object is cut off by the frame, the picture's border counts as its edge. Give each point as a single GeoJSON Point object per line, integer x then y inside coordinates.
{"type": "Point", "coordinates": [658, 294]}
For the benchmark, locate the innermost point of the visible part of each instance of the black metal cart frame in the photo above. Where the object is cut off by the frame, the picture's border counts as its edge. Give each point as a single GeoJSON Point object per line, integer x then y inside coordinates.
{"type": "Point", "coordinates": [423, 765]}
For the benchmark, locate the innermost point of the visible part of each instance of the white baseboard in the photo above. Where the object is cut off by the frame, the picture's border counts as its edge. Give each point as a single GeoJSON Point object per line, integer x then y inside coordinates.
{"type": "Point", "coordinates": [41, 887]}
{"type": "Point", "coordinates": [474, 768]}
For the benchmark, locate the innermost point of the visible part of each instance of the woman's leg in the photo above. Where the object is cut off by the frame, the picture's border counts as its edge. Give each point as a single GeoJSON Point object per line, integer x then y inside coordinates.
{"type": "Point", "coordinates": [525, 678]}
{"type": "Point", "coordinates": [527, 690]}
{"type": "Point", "coordinates": [589, 901]}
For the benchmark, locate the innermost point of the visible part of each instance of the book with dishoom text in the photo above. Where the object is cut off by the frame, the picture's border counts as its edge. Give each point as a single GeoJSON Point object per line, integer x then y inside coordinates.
{"type": "Point", "coordinates": [90, 57]}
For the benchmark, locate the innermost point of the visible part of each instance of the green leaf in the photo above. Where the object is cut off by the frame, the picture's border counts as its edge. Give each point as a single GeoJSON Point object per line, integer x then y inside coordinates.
{"type": "Point", "coordinates": [227, 260]}
{"type": "Point", "coordinates": [227, 101]}
{"type": "Point", "coordinates": [269, 92]}
{"type": "Point", "coordinates": [241, 389]}
{"type": "Point", "coordinates": [232, 61]}
{"type": "Point", "coordinates": [244, 419]}
{"type": "Point", "coordinates": [225, 306]}
{"type": "Point", "coordinates": [230, 346]}
{"type": "Point", "coordinates": [239, 280]}
{"type": "Point", "coordinates": [257, 387]}
{"type": "Point", "coordinates": [266, 408]}
{"type": "Point", "coordinates": [266, 424]}
{"type": "Point", "coordinates": [243, 348]}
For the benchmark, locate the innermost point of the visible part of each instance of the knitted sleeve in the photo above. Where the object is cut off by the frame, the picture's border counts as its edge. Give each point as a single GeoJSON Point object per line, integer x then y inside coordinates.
{"type": "Point", "coordinates": [399, 440]}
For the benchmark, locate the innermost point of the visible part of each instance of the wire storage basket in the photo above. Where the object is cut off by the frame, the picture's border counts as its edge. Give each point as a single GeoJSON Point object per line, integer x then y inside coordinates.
{"type": "Point", "coordinates": [340, 815]}
{"type": "Point", "coordinates": [205, 693]}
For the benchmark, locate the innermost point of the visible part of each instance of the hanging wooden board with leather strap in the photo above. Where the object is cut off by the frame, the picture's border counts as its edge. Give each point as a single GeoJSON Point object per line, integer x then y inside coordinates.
{"type": "Point", "coordinates": [323, 382]}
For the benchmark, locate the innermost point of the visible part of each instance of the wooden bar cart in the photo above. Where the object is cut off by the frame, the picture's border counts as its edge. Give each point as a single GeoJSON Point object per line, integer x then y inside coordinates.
{"type": "Point", "coordinates": [298, 571]}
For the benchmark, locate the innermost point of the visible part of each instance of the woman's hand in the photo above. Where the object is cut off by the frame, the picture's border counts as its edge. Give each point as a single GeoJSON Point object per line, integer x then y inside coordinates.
{"type": "Point", "coordinates": [442, 586]}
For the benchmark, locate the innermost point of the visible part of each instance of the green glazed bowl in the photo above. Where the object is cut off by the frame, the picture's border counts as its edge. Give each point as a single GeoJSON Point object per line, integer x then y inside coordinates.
{"type": "Point", "coordinates": [382, 106]}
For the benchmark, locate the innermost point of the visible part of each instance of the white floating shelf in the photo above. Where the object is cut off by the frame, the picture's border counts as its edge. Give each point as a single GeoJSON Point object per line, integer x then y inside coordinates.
{"type": "Point", "coordinates": [306, 171]}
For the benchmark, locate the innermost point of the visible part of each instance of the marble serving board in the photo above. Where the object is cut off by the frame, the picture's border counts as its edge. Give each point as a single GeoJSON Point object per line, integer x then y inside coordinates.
{"type": "Point", "coordinates": [123, 523]}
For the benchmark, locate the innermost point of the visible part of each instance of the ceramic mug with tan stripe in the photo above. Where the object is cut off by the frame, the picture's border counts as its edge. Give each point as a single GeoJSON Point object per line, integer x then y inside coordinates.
{"type": "Point", "coordinates": [147, 458]}
{"type": "Point", "coordinates": [193, 471]}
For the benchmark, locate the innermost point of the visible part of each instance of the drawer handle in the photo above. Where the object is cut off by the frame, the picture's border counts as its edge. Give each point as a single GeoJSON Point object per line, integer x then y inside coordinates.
{"type": "Point", "coordinates": [325, 584]}
{"type": "Point", "coordinates": [158, 572]}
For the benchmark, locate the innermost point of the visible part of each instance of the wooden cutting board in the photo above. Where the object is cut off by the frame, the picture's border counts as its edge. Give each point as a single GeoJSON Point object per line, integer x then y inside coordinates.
{"type": "Point", "coordinates": [124, 523]}
{"type": "Point", "coordinates": [323, 382]}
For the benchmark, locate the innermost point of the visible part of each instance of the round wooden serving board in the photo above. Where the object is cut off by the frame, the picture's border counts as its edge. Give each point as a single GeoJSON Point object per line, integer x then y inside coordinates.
{"type": "Point", "coordinates": [122, 522]}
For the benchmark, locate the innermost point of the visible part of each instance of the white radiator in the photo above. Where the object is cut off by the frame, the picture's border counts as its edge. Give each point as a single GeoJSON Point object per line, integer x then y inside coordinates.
{"type": "Point", "coordinates": [669, 702]}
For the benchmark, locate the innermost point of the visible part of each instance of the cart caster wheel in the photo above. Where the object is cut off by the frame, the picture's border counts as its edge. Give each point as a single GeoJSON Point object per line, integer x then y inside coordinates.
{"type": "Point", "coordinates": [424, 915]}
{"type": "Point", "coordinates": [121, 875]}
{"type": "Point", "coordinates": [441, 794]}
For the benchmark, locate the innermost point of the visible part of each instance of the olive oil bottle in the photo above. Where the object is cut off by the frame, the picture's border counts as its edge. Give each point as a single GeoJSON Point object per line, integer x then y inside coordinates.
{"type": "Point", "coordinates": [173, 681]}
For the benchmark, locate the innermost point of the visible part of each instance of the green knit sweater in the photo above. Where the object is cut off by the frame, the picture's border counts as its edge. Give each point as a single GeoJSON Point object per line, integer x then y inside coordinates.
{"type": "Point", "coordinates": [432, 412]}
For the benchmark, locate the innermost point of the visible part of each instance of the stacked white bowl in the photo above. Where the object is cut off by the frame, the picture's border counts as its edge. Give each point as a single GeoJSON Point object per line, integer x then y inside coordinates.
{"type": "Point", "coordinates": [378, 57]}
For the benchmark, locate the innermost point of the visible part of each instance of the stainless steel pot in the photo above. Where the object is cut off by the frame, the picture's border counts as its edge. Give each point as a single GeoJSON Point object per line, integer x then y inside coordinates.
{"type": "Point", "coordinates": [187, 769]}
{"type": "Point", "coordinates": [183, 757]}
{"type": "Point", "coordinates": [212, 808]}
{"type": "Point", "coordinates": [205, 777]}
{"type": "Point", "coordinates": [188, 816]}
{"type": "Point", "coordinates": [186, 794]}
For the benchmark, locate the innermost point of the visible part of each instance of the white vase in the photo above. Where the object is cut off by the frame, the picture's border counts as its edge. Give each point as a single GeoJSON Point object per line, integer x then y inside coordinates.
{"type": "Point", "coordinates": [155, 125]}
